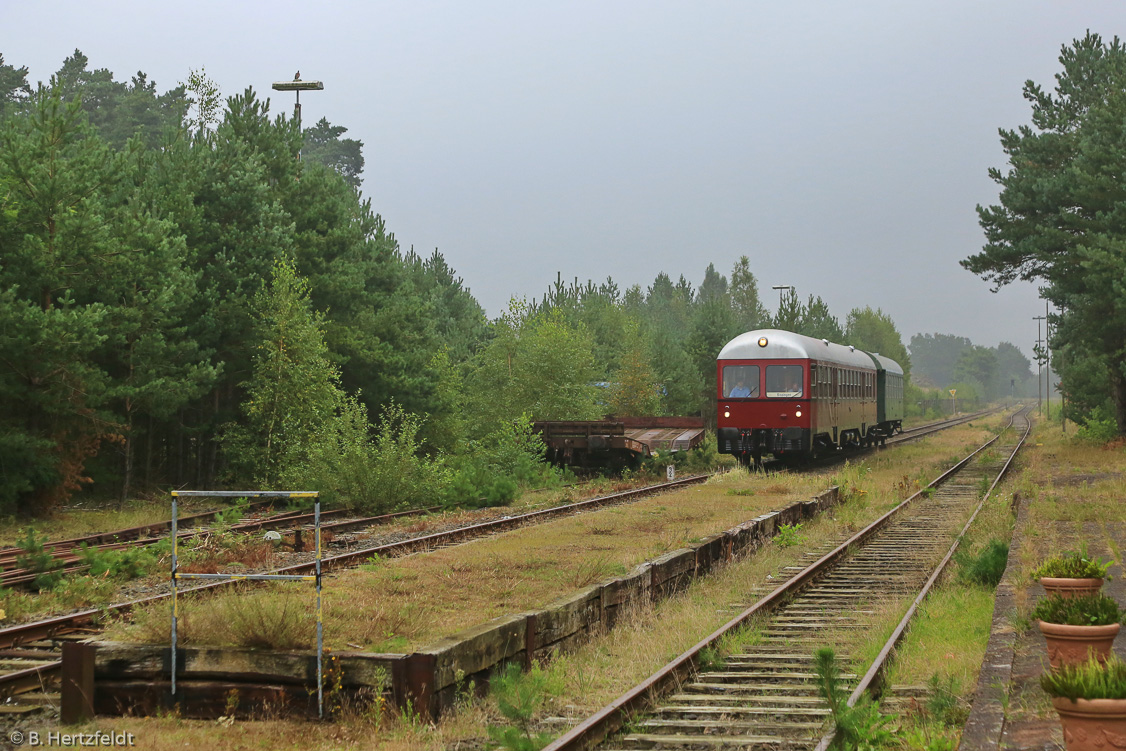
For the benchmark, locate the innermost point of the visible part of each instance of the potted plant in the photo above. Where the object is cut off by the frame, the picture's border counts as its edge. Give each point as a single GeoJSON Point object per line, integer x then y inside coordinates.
{"type": "Point", "coordinates": [1090, 699]}
{"type": "Point", "coordinates": [1072, 573]}
{"type": "Point", "coordinates": [1074, 625]}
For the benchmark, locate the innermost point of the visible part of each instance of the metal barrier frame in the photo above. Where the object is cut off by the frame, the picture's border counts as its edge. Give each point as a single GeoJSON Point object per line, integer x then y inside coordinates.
{"type": "Point", "coordinates": [316, 578]}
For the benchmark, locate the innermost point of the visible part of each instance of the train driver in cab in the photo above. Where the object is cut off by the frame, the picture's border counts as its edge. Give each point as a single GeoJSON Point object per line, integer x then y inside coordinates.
{"type": "Point", "coordinates": [739, 389]}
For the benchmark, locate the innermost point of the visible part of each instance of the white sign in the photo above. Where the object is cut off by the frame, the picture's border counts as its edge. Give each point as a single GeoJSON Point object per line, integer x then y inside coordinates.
{"type": "Point", "coordinates": [670, 472]}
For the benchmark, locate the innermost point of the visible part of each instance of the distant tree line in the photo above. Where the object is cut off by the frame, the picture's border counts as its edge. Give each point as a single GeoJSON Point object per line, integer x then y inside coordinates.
{"type": "Point", "coordinates": [945, 361]}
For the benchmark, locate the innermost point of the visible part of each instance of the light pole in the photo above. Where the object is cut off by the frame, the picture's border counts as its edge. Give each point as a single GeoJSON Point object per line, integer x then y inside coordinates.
{"type": "Point", "coordinates": [781, 291]}
{"type": "Point", "coordinates": [1039, 366]}
{"type": "Point", "coordinates": [297, 86]}
{"type": "Point", "coordinates": [1047, 363]}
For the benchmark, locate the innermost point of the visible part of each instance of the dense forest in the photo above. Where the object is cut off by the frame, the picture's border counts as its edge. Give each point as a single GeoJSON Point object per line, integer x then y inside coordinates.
{"type": "Point", "coordinates": [194, 293]}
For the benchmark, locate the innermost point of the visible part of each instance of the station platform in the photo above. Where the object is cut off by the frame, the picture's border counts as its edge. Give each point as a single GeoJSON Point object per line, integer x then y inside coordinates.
{"type": "Point", "coordinates": [1010, 711]}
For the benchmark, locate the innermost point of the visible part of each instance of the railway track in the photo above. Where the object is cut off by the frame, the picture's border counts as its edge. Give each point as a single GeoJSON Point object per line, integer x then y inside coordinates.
{"type": "Point", "coordinates": [67, 561]}
{"type": "Point", "coordinates": [29, 652]}
{"type": "Point", "coordinates": [764, 695]}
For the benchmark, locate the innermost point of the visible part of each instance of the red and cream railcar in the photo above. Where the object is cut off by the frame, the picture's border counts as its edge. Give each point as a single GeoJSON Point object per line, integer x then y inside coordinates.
{"type": "Point", "coordinates": [788, 395]}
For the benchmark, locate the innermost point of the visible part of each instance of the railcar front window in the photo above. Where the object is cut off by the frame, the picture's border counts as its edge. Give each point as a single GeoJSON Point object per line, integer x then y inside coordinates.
{"type": "Point", "coordinates": [784, 381]}
{"type": "Point", "coordinates": [740, 382]}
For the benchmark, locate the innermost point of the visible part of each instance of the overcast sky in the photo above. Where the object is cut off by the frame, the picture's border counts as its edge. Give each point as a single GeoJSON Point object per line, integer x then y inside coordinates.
{"type": "Point", "coordinates": [842, 146]}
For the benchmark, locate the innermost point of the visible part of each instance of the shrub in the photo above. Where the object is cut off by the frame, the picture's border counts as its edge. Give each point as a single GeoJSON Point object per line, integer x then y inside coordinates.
{"type": "Point", "coordinates": [988, 566]}
{"type": "Point", "coordinates": [520, 696]}
{"type": "Point", "coordinates": [789, 535]}
{"type": "Point", "coordinates": [126, 563]}
{"type": "Point", "coordinates": [474, 484]}
{"type": "Point", "coordinates": [859, 726]}
{"type": "Point", "coordinates": [1098, 427]}
{"type": "Point", "coordinates": [374, 475]}
{"type": "Point", "coordinates": [516, 450]}
{"type": "Point", "coordinates": [38, 561]}
{"type": "Point", "coordinates": [1084, 610]}
{"type": "Point", "coordinates": [488, 475]}
{"type": "Point", "coordinates": [1072, 565]}
{"type": "Point", "coordinates": [1088, 680]}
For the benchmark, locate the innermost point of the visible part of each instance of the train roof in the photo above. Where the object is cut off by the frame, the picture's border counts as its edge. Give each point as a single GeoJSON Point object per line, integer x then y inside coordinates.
{"type": "Point", "coordinates": [886, 363]}
{"type": "Point", "coordinates": [786, 345]}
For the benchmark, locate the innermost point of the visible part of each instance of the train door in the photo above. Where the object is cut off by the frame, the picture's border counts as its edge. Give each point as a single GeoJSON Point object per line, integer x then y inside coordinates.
{"type": "Point", "coordinates": [834, 401]}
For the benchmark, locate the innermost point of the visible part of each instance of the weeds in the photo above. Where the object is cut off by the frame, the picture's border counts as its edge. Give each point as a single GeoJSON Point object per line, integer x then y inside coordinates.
{"type": "Point", "coordinates": [520, 696]}
{"type": "Point", "coordinates": [39, 562]}
{"type": "Point", "coordinates": [861, 726]}
{"type": "Point", "coordinates": [945, 702]}
{"type": "Point", "coordinates": [740, 639]}
{"type": "Point", "coordinates": [789, 535]}
{"type": "Point", "coordinates": [592, 571]}
{"type": "Point", "coordinates": [710, 659]}
{"type": "Point", "coordinates": [126, 563]}
{"type": "Point", "coordinates": [987, 567]}
{"type": "Point", "coordinates": [983, 486]}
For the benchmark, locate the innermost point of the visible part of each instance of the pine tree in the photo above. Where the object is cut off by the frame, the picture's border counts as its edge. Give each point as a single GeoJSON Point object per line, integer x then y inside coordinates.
{"type": "Point", "coordinates": [1062, 198]}
{"type": "Point", "coordinates": [294, 390]}
{"type": "Point", "coordinates": [633, 390]}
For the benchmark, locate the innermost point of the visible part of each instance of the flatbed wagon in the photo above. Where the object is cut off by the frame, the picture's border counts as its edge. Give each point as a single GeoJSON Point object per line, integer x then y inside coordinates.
{"type": "Point", "coordinates": [618, 441]}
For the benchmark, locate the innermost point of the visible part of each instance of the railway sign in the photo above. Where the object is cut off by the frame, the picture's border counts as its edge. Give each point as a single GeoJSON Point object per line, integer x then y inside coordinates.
{"type": "Point", "coordinates": [953, 391]}
{"type": "Point", "coordinates": [670, 472]}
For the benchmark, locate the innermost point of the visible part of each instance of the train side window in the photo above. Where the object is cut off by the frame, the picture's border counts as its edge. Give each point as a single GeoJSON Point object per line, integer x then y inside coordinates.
{"type": "Point", "coordinates": [784, 381]}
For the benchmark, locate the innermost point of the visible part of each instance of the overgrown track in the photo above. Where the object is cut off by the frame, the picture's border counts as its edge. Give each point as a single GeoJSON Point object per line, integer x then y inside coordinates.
{"type": "Point", "coordinates": [764, 696]}
{"type": "Point", "coordinates": [32, 644]}
{"type": "Point", "coordinates": [29, 649]}
{"type": "Point", "coordinates": [67, 561]}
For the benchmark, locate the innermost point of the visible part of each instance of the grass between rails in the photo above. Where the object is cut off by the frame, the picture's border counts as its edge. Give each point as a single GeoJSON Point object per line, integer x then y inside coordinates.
{"type": "Point", "coordinates": [229, 552]}
{"type": "Point", "coordinates": [79, 521]}
{"type": "Point", "coordinates": [945, 645]}
{"type": "Point", "coordinates": [601, 670]}
{"type": "Point", "coordinates": [400, 604]}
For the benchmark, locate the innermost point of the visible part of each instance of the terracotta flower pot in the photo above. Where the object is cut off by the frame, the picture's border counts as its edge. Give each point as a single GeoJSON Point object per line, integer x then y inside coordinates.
{"type": "Point", "coordinates": [1070, 587]}
{"type": "Point", "coordinates": [1069, 645]}
{"type": "Point", "coordinates": [1090, 724]}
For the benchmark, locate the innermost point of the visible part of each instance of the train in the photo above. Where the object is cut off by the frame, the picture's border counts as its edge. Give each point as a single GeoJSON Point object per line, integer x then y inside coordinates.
{"type": "Point", "coordinates": [796, 398]}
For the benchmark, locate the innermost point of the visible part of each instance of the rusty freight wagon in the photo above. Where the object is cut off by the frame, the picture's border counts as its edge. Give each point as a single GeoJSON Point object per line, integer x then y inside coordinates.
{"type": "Point", "coordinates": [618, 441]}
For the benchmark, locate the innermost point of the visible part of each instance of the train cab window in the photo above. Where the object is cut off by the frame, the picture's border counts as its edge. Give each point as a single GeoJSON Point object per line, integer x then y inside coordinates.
{"type": "Point", "coordinates": [784, 381]}
{"type": "Point", "coordinates": [740, 382]}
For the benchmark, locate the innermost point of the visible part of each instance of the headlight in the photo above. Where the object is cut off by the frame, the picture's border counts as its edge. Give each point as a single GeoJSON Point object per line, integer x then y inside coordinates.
{"type": "Point", "coordinates": [798, 413]}
{"type": "Point", "coordinates": [762, 341]}
{"type": "Point", "coordinates": [726, 413]}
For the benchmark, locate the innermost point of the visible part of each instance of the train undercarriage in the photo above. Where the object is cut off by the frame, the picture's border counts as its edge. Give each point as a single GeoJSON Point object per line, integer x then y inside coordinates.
{"type": "Point", "coordinates": [749, 446]}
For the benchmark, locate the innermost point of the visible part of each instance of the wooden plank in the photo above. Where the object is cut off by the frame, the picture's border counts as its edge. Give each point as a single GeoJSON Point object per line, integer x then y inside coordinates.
{"type": "Point", "coordinates": [77, 683]}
